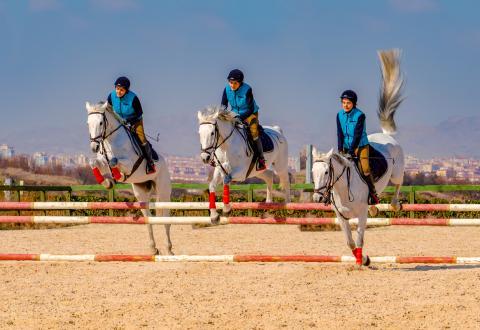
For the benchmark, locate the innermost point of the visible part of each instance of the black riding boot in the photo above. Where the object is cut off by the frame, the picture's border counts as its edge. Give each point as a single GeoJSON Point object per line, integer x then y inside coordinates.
{"type": "Point", "coordinates": [372, 193]}
{"type": "Point", "coordinates": [261, 160]}
{"type": "Point", "coordinates": [147, 152]}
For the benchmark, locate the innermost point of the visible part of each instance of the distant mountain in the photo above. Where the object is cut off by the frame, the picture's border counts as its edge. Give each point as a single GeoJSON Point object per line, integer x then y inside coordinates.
{"type": "Point", "coordinates": [456, 136]}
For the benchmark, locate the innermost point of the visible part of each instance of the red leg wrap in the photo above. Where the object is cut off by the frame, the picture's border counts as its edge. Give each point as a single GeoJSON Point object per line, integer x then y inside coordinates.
{"type": "Point", "coordinates": [226, 194]}
{"type": "Point", "coordinates": [211, 200]}
{"type": "Point", "coordinates": [98, 176]}
{"type": "Point", "coordinates": [116, 173]}
{"type": "Point", "coordinates": [357, 252]}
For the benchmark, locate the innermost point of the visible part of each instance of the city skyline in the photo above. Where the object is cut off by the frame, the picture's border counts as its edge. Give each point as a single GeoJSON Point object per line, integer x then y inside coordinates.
{"type": "Point", "coordinates": [298, 62]}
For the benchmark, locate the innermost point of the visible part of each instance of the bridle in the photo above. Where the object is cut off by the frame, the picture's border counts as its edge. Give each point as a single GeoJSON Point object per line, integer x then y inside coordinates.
{"type": "Point", "coordinates": [103, 135]}
{"type": "Point", "coordinates": [331, 181]}
{"type": "Point", "coordinates": [215, 145]}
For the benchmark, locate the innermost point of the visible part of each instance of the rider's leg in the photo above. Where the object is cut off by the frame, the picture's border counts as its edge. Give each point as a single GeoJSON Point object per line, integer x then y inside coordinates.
{"type": "Point", "coordinates": [364, 155]}
{"type": "Point", "coordinates": [146, 147]}
{"type": "Point", "coordinates": [257, 142]}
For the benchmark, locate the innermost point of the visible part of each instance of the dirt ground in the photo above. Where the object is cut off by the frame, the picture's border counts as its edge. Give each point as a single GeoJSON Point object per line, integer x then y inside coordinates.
{"type": "Point", "coordinates": [238, 296]}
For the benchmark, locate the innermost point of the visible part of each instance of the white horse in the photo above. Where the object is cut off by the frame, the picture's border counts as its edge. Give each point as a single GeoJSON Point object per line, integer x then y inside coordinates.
{"type": "Point", "coordinates": [116, 156]}
{"type": "Point", "coordinates": [224, 143]}
{"type": "Point", "coordinates": [338, 178]}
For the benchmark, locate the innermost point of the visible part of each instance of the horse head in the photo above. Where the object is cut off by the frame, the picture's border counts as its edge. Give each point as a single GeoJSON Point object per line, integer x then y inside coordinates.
{"type": "Point", "coordinates": [97, 123]}
{"type": "Point", "coordinates": [212, 130]}
{"type": "Point", "coordinates": [326, 171]}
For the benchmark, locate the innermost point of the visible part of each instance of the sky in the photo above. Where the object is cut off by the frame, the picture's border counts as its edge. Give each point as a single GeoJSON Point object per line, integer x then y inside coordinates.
{"type": "Point", "coordinates": [297, 55]}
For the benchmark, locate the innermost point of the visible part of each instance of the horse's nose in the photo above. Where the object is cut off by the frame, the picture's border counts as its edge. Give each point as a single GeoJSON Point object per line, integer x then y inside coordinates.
{"type": "Point", "coordinates": [94, 146]}
{"type": "Point", "coordinates": [205, 157]}
{"type": "Point", "coordinates": [317, 197]}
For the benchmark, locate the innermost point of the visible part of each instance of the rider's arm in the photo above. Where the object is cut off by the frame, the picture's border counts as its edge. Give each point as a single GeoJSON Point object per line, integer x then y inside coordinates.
{"type": "Point", "coordinates": [224, 98]}
{"type": "Point", "coordinates": [340, 136]}
{"type": "Point", "coordinates": [137, 108]}
{"type": "Point", "coordinates": [109, 99]}
{"type": "Point", "coordinates": [357, 135]}
{"type": "Point", "coordinates": [250, 105]}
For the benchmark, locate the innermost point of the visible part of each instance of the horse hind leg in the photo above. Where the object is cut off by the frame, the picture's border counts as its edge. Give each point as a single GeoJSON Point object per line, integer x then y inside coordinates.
{"type": "Point", "coordinates": [163, 191]}
{"type": "Point", "coordinates": [285, 184]}
{"type": "Point", "coordinates": [142, 195]}
{"type": "Point", "coordinates": [267, 176]}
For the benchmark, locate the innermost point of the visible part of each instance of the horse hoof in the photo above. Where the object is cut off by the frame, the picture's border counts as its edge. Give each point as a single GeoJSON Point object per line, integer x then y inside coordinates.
{"type": "Point", "coordinates": [396, 207]}
{"type": "Point", "coordinates": [372, 210]}
{"type": "Point", "coordinates": [215, 219]}
{"type": "Point", "coordinates": [367, 261]}
{"type": "Point", "coordinates": [155, 252]}
{"type": "Point", "coordinates": [107, 183]}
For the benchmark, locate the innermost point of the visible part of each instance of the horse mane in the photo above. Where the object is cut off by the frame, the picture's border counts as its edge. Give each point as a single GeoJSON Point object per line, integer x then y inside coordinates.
{"type": "Point", "coordinates": [213, 112]}
{"type": "Point", "coordinates": [325, 157]}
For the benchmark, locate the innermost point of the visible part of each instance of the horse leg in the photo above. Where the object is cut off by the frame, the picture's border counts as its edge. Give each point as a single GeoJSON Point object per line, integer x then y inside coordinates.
{"type": "Point", "coordinates": [267, 176]}
{"type": "Point", "coordinates": [285, 184]}
{"type": "Point", "coordinates": [217, 177]}
{"type": "Point", "coordinates": [395, 203]}
{"type": "Point", "coordinates": [163, 189]}
{"type": "Point", "coordinates": [141, 194]}
{"type": "Point", "coordinates": [347, 231]}
{"type": "Point", "coordinates": [358, 251]}
{"type": "Point", "coordinates": [226, 200]}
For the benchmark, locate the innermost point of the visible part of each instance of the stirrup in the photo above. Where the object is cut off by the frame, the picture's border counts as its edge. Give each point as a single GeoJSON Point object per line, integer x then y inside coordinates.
{"type": "Point", "coordinates": [261, 166]}
{"type": "Point", "coordinates": [150, 169]}
{"type": "Point", "coordinates": [373, 199]}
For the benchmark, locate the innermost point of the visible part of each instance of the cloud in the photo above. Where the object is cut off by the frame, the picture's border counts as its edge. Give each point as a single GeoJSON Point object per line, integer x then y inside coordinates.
{"type": "Point", "coordinates": [116, 5]}
{"type": "Point", "coordinates": [414, 6]}
{"type": "Point", "coordinates": [43, 5]}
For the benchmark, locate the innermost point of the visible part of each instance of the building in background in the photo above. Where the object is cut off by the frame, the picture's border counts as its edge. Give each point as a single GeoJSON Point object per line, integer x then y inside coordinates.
{"type": "Point", "coordinates": [187, 169]}
{"type": "Point", "coordinates": [6, 151]}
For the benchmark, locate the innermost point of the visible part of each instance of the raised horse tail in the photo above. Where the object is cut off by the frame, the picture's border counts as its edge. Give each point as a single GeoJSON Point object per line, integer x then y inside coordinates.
{"type": "Point", "coordinates": [391, 89]}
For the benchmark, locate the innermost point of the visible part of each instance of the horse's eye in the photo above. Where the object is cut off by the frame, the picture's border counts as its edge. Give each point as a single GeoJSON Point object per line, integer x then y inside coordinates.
{"type": "Point", "coordinates": [326, 172]}
{"type": "Point", "coordinates": [211, 134]}
{"type": "Point", "coordinates": [101, 124]}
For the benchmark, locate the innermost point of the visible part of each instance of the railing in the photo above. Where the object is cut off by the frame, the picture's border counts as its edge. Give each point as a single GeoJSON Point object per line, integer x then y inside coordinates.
{"type": "Point", "coordinates": [249, 189]}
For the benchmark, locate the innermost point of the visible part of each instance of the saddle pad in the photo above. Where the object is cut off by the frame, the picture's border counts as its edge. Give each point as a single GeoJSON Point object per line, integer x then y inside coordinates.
{"type": "Point", "coordinates": [267, 141]}
{"type": "Point", "coordinates": [378, 164]}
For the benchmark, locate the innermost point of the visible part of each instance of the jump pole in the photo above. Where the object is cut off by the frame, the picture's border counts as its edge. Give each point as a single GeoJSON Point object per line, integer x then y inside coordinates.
{"type": "Point", "coordinates": [238, 258]}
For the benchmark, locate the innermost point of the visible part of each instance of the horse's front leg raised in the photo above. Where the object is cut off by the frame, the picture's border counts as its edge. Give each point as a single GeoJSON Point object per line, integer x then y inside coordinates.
{"type": "Point", "coordinates": [217, 178]}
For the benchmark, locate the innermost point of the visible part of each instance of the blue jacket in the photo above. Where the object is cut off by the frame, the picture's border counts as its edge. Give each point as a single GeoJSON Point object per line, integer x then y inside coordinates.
{"type": "Point", "coordinates": [241, 101]}
{"type": "Point", "coordinates": [128, 107]}
{"type": "Point", "coordinates": [351, 130]}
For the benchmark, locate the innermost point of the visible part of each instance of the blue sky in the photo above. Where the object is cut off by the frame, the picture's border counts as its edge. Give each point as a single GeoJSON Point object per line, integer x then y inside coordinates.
{"type": "Point", "coordinates": [298, 56]}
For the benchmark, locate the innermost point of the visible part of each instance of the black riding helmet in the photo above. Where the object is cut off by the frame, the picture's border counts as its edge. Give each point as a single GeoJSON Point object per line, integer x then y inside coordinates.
{"type": "Point", "coordinates": [350, 95]}
{"type": "Point", "coordinates": [236, 75]}
{"type": "Point", "coordinates": [123, 82]}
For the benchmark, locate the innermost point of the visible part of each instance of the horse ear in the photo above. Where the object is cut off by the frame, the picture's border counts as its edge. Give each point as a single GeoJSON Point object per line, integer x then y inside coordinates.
{"type": "Point", "coordinates": [199, 116]}
{"type": "Point", "coordinates": [329, 153]}
{"type": "Point", "coordinates": [316, 154]}
{"type": "Point", "coordinates": [88, 106]}
{"type": "Point", "coordinates": [105, 106]}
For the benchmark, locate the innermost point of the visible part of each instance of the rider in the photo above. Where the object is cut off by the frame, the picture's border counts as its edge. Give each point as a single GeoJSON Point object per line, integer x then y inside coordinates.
{"type": "Point", "coordinates": [126, 105]}
{"type": "Point", "coordinates": [352, 138]}
{"type": "Point", "coordinates": [240, 97]}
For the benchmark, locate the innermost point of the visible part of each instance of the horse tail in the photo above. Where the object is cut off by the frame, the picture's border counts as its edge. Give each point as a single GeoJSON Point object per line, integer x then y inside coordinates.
{"type": "Point", "coordinates": [391, 89]}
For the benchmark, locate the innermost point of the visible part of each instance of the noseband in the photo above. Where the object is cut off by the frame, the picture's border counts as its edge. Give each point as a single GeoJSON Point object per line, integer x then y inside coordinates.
{"type": "Point", "coordinates": [103, 135]}
{"type": "Point", "coordinates": [328, 186]}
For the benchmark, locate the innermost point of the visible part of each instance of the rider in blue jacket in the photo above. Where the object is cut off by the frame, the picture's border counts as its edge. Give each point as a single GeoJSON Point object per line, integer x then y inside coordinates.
{"type": "Point", "coordinates": [352, 138]}
{"type": "Point", "coordinates": [240, 97]}
{"type": "Point", "coordinates": [126, 105]}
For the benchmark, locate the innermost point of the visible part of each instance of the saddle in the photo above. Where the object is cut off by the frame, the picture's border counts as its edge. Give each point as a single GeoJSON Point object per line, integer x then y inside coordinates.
{"type": "Point", "coordinates": [378, 164]}
{"type": "Point", "coordinates": [137, 145]}
{"type": "Point", "coordinates": [267, 142]}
